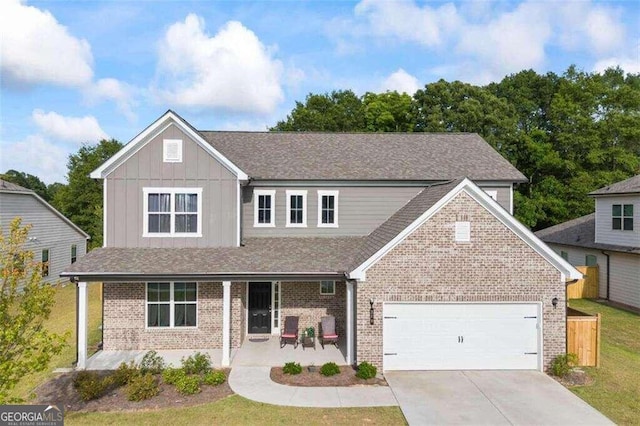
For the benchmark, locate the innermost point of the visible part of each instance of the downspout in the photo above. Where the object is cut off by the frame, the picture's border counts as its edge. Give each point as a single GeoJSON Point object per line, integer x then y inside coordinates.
{"type": "Point", "coordinates": [608, 275]}
{"type": "Point", "coordinates": [74, 281]}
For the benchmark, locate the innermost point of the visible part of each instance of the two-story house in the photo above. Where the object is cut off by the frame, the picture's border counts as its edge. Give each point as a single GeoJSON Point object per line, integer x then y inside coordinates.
{"type": "Point", "coordinates": [608, 238]}
{"type": "Point", "coordinates": [55, 241]}
{"type": "Point", "coordinates": [406, 239]}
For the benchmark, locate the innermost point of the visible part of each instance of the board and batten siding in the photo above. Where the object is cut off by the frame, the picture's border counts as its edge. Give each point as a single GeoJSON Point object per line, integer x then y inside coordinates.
{"type": "Point", "coordinates": [604, 232]}
{"type": "Point", "coordinates": [577, 256]}
{"type": "Point", "coordinates": [48, 231]}
{"type": "Point", "coordinates": [145, 169]}
{"type": "Point", "coordinates": [625, 279]}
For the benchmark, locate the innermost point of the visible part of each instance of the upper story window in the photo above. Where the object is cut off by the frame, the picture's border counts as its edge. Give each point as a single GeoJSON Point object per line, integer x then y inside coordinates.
{"type": "Point", "coordinates": [264, 208]}
{"type": "Point", "coordinates": [45, 262]}
{"type": "Point", "coordinates": [622, 217]}
{"type": "Point", "coordinates": [172, 150]}
{"type": "Point", "coordinates": [296, 209]}
{"type": "Point", "coordinates": [172, 212]}
{"type": "Point", "coordinates": [327, 209]}
{"type": "Point", "coordinates": [493, 193]}
{"type": "Point", "coordinates": [74, 253]}
{"type": "Point", "coordinates": [172, 305]}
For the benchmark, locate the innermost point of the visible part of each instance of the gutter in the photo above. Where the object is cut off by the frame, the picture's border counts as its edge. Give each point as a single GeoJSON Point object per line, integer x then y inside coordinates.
{"type": "Point", "coordinates": [229, 276]}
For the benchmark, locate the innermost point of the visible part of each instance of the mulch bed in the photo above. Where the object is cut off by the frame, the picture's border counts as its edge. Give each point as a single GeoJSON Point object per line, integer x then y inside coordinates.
{"type": "Point", "coordinates": [347, 377]}
{"type": "Point", "coordinates": [576, 377]}
{"type": "Point", "coordinates": [60, 390]}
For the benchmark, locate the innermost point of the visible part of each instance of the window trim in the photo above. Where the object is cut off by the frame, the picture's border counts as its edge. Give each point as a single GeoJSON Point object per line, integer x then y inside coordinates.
{"type": "Point", "coordinates": [172, 305]}
{"type": "Point", "coordinates": [492, 193]}
{"type": "Point", "coordinates": [256, 206]}
{"type": "Point", "coordinates": [333, 286]}
{"type": "Point", "coordinates": [172, 191]}
{"type": "Point", "coordinates": [74, 257]}
{"type": "Point", "coordinates": [335, 195]}
{"type": "Point", "coordinates": [303, 193]}
{"type": "Point", "coordinates": [622, 217]}
{"type": "Point", "coordinates": [564, 255]}
{"type": "Point", "coordinates": [46, 265]}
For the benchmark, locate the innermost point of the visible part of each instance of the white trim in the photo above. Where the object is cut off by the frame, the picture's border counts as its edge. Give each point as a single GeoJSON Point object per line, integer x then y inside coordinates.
{"type": "Point", "coordinates": [276, 284]}
{"type": "Point", "coordinates": [226, 323]}
{"type": "Point", "coordinates": [165, 150]}
{"type": "Point", "coordinates": [83, 317]}
{"type": "Point", "coordinates": [149, 133]}
{"type": "Point", "coordinates": [511, 199]}
{"type": "Point", "coordinates": [492, 207]}
{"type": "Point", "coordinates": [104, 212]}
{"type": "Point", "coordinates": [238, 214]}
{"type": "Point", "coordinates": [349, 326]}
{"type": "Point", "coordinates": [256, 194]}
{"type": "Point", "coordinates": [334, 288]}
{"type": "Point", "coordinates": [172, 191]}
{"type": "Point", "coordinates": [335, 195]}
{"type": "Point", "coordinates": [172, 304]}
{"type": "Point", "coordinates": [493, 193]}
{"type": "Point", "coordinates": [303, 193]}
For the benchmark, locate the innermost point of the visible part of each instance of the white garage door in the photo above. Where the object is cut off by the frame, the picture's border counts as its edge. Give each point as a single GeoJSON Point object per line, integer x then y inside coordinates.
{"type": "Point", "coordinates": [461, 336]}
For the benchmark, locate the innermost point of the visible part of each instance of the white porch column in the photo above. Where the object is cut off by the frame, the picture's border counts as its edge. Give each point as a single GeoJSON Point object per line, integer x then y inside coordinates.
{"type": "Point", "coordinates": [226, 323]}
{"type": "Point", "coordinates": [82, 325]}
{"type": "Point", "coordinates": [349, 328]}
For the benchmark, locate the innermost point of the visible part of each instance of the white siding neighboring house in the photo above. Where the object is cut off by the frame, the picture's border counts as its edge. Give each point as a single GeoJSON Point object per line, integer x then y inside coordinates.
{"type": "Point", "coordinates": [612, 235]}
{"type": "Point", "coordinates": [53, 238]}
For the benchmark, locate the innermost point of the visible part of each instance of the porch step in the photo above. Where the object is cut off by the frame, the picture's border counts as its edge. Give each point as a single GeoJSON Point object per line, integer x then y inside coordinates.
{"type": "Point", "coordinates": [259, 337]}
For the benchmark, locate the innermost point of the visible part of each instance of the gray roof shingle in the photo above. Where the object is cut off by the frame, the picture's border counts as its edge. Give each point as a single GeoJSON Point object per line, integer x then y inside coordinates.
{"type": "Point", "coordinates": [9, 186]}
{"type": "Point", "coordinates": [627, 186]}
{"type": "Point", "coordinates": [363, 156]}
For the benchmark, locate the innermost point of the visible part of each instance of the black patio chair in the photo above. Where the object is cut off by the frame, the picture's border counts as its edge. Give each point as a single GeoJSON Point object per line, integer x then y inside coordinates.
{"type": "Point", "coordinates": [290, 332]}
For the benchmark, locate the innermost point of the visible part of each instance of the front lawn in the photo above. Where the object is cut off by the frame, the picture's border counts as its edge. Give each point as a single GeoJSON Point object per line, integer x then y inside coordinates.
{"type": "Point", "coordinates": [236, 410]}
{"type": "Point", "coordinates": [616, 388]}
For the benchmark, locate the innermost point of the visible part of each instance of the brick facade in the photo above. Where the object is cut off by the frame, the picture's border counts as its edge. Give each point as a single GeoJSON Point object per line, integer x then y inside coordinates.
{"type": "Point", "coordinates": [303, 299]}
{"type": "Point", "coordinates": [430, 266]}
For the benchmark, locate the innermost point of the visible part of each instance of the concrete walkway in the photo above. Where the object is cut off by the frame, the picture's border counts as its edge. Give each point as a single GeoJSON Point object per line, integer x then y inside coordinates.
{"type": "Point", "coordinates": [255, 383]}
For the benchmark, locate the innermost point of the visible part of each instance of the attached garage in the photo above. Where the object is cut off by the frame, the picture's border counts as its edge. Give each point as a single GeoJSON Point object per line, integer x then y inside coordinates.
{"type": "Point", "coordinates": [461, 336]}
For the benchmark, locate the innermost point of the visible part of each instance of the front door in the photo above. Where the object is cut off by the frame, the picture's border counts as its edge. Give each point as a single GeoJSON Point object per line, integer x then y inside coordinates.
{"type": "Point", "coordinates": [260, 308]}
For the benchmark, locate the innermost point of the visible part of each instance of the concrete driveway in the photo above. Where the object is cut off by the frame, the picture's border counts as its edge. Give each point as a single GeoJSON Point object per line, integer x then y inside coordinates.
{"type": "Point", "coordinates": [488, 397]}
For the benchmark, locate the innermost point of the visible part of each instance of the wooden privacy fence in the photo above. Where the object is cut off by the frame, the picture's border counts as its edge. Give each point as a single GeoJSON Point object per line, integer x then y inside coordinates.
{"type": "Point", "coordinates": [587, 287]}
{"type": "Point", "coordinates": [583, 337]}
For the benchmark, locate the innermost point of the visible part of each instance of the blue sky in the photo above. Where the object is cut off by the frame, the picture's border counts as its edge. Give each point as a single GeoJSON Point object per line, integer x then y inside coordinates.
{"type": "Point", "coordinates": [74, 72]}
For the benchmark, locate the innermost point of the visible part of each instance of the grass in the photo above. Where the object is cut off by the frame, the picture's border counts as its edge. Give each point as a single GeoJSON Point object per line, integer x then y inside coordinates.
{"type": "Point", "coordinates": [616, 390]}
{"type": "Point", "coordinates": [236, 410]}
{"type": "Point", "coordinates": [63, 320]}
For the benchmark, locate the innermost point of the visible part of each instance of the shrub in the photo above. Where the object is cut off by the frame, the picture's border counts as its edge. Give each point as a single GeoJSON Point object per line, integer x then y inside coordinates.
{"type": "Point", "coordinates": [197, 363]}
{"type": "Point", "coordinates": [152, 363]}
{"type": "Point", "coordinates": [141, 387]}
{"type": "Point", "coordinates": [292, 368]}
{"type": "Point", "coordinates": [125, 373]}
{"type": "Point", "coordinates": [90, 385]}
{"type": "Point", "coordinates": [214, 378]}
{"type": "Point", "coordinates": [188, 385]}
{"type": "Point", "coordinates": [329, 369]}
{"type": "Point", "coordinates": [366, 370]}
{"type": "Point", "coordinates": [562, 364]}
{"type": "Point", "coordinates": [173, 375]}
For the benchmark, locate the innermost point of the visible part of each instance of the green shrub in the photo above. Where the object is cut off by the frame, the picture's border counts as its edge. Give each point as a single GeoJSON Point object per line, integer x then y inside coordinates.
{"type": "Point", "coordinates": [173, 375]}
{"type": "Point", "coordinates": [90, 385]}
{"type": "Point", "coordinates": [188, 385]}
{"type": "Point", "coordinates": [292, 368]}
{"type": "Point", "coordinates": [366, 370]}
{"type": "Point", "coordinates": [152, 363]}
{"type": "Point", "coordinates": [125, 373]}
{"type": "Point", "coordinates": [214, 378]}
{"type": "Point", "coordinates": [141, 387]}
{"type": "Point", "coordinates": [330, 369]}
{"type": "Point", "coordinates": [197, 363]}
{"type": "Point", "coordinates": [562, 364]}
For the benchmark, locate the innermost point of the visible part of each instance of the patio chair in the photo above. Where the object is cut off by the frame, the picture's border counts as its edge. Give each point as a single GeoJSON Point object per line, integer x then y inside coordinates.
{"type": "Point", "coordinates": [290, 332]}
{"type": "Point", "coordinates": [329, 331]}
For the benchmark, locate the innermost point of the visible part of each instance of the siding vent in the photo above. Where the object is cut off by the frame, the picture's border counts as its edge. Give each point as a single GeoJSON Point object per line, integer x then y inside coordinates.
{"type": "Point", "coordinates": [463, 231]}
{"type": "Point", "coordinates": [172, 151]}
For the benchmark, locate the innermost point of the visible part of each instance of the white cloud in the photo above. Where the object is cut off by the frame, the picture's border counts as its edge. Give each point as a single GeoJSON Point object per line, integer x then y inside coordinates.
{"type": "Point", "coordinates": [401, 81]}
{"type": "Point", "coordinates": [114, 90]}
{"type": "Point", "coordinates": [37, 156]}
{"type": "Point", "coordinates": [77, 130]}
{"type": "Point", "coordinates": [37, 49]}
{"type": "Point", "coordinates": [231, 70]}
{"type": "Point", "coordinates": [582, 26]}
{"type": "Point", "coordinates": [628, 64]}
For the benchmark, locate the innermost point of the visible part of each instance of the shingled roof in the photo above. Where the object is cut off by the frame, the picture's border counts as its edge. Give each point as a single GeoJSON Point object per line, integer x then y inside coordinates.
{"type": "Point", "coordinates": [12, 187]}
{"type": "Point", "coordinates": [363, 156]}
{"type": "Point", "coordinates": [628, 186]}
{"type": "Point", "coordinates": [580, 232]}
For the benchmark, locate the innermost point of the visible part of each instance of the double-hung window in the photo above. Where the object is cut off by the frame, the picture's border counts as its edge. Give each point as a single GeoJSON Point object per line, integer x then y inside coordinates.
{"type": "Point", "coordinates": [622, 217]}
{"type": "Point", "coordinates": [172, 304]}
{"type": "Point", "coordinates": [172, 212]}
{"type": "Point", "coordinates": [296, 209]}
{"type": "Point", "coordinates": [264, 208]}
{"type": "Point", "coordinates": [327, 209]}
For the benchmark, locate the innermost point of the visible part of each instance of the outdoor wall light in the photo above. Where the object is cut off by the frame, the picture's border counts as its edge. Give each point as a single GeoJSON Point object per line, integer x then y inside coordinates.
{"type": "Point", "coordinates": [554, 302]}
{"type": "Point", "coordinates": [371, 311]}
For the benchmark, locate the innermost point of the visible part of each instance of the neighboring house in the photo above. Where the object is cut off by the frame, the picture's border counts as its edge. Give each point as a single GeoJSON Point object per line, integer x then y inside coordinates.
{"type": "Point", "coordinates": [609, 238]}
{"type": "Point", "coordinates": [54, 240]}
{"type": "Point", "coordinates": [211, 237]}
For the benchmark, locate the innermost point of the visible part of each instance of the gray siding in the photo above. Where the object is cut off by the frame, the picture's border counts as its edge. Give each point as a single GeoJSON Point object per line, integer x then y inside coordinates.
{"type": "Point", "coordinates": [578, 257]}
{"type": "Point", "coordinates": [504, 195]}
{"type": "Point", "coordinates": [625, 279]}
{"type": "Point", "coordinates": [604, 233]}
{"type": "Point", "coordinates": [49, 230]}
{"type": "Point", "coordinates": [124, 207]}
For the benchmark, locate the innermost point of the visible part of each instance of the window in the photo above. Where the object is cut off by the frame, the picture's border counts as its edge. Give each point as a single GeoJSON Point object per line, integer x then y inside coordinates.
{"type": "Point", "coordinates": [172, 212]}
{"type": "Point", "coordinates": [493, 193]}
{"type": "Point", "coordinates": [327, 209]}
{"type": "Point", "coordinates": [297, 209]}
{"type": "Point", "coordinates": [172, 150]}
{"type": "Point", "coordinates": [327, 287]}
{"type": "Point", "coordinates": [622, 217]}
{"type": "Point", "coordinates": [591, 260]}
{"type": "Point", "coordinates": [74, 253]}
{"type": "Point", "coordinates": [264, 208]}
{"type": "Point", "coordinates": [45, 262]}
{"type": "Point", "coordinates": [172, 304]}
{"type": "Point", "coordinates": [564, 255]}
